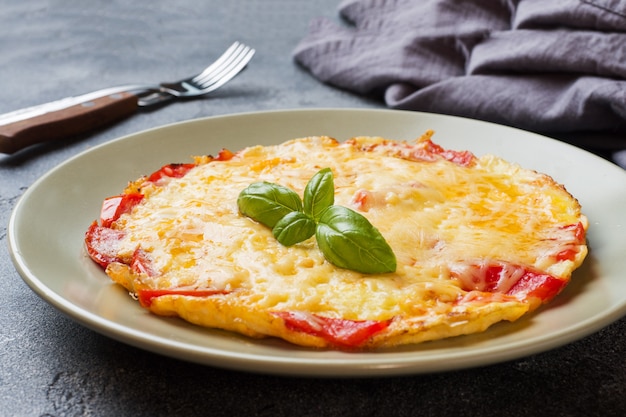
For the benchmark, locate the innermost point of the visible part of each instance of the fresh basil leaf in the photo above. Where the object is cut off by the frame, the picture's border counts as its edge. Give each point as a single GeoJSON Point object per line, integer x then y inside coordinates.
{"type": "Point", "coordinates": [348, 240]}
{"type": "Point", "coordinates": [294, 228]}
{"type": "Point", "coordinates": [267, 202]}
{"type": "Point", "coordinates": [319, 193]}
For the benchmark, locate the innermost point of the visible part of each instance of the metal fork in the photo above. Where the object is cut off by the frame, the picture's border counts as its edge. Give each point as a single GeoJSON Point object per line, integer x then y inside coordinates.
{"type": "Point", "coordinates": [74, 115]}
{"type": "Point", "coordinates": [232, 61]}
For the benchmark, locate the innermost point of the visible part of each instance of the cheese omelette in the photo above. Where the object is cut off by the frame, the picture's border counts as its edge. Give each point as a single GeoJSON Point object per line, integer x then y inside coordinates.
{"type": "Point", "coordinates": [477, 241]}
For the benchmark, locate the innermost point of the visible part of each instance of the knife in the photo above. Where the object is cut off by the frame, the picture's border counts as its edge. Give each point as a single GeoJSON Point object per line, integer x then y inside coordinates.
{"type": "Point", "coordinates": [73, 115]}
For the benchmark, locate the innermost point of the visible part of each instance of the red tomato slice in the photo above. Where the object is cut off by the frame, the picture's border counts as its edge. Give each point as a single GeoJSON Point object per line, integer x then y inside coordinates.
{"type": "Point", "coordinates": [171, 171]}
{"type": "Point", "coordinates": [360, 199]}
{"type": "Point", "coordinates": [463, 158]}
{"type": "Point", "coordinates": [146, 296]}
{"type": "Point", "coordinates": [506, 278]}
{"type": "Point", "coordinates": [339, 332]}
{"type": "Point", "coordinates": [570, 238]}
{"type": "Point", "coordinates": [114, 207]}
{"type": "Point", "coordinates": [102, 244]}
{"type": "Point", "coordinates": [566, 255]}
{"type": "Point", "coordinates": [578, 231]}
{"type": "Point", "coordinates": [141, 263]}
{"type": "Point", "coordinates": [224, 155]}
{"type": "Point", "coordinates": [538, 285]}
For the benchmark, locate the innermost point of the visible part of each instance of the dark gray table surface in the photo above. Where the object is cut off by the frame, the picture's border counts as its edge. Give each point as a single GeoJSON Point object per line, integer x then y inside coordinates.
{"type": "Point", "coordinates": [52, 366]}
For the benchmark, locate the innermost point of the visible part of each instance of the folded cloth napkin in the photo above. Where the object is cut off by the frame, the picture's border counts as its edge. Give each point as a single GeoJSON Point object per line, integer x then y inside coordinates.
{"type": "Point", "coordinates": [554, 67]}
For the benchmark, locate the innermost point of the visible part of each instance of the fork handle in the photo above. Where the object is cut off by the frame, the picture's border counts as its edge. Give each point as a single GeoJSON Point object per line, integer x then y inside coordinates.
{"type": "Point", "coordinates": [70, 121]}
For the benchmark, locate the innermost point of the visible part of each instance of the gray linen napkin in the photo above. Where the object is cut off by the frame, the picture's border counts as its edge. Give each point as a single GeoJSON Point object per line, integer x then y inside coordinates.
{"type": "Point", "coordinates": [555, 67]}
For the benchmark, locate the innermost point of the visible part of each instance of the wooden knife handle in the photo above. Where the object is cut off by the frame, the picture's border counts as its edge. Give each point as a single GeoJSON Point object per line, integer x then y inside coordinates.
{"type": "Point", "coordinates": [79, 118]}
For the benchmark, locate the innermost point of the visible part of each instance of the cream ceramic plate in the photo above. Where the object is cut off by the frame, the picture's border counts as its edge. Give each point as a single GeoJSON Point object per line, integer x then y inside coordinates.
{"type": "Point", "coordinates": [47, 227]}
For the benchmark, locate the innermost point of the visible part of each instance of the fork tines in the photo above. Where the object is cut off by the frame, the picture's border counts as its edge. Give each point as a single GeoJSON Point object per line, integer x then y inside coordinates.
{"type": "Point", "coordinates": [232, 61]}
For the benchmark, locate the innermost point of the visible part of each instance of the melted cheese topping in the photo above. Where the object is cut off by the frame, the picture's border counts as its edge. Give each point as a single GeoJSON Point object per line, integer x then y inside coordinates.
{"type": "Point", "coordinates": [435, 215]}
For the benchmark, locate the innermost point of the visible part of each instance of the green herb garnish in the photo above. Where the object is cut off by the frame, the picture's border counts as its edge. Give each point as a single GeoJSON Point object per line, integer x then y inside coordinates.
{"type": "Point", "coordinates": [346, 238]}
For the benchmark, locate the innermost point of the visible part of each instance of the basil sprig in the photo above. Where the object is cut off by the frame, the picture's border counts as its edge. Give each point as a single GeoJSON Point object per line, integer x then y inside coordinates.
{"type": "Point", "coordinates": [346, 238]}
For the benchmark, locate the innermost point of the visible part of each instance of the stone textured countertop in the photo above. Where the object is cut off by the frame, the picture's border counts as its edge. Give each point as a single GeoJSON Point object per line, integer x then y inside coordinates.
{"type": "Point", "coordinates": [53, 366]}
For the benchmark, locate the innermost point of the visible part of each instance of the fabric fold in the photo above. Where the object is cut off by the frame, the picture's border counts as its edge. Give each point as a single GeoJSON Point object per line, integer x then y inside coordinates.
{"type": "Point", "coordinates": [556, 68]}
